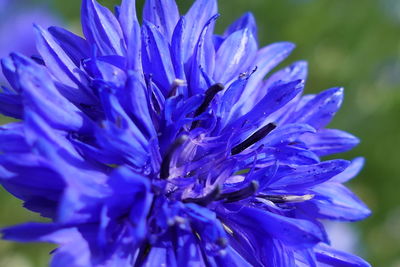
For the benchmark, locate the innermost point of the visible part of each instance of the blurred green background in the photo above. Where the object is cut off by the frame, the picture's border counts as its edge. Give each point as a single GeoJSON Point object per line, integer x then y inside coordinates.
{"type": "Point", "coordinates": [355, 44]}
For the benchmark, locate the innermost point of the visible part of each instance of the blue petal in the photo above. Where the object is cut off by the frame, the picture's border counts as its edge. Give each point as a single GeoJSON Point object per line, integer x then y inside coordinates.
{"type": "Point", "coordinates": [73, 45]}
{"type": "Point", "coordinates": [196, 18]}
{"type": "Point", "coordinates": [177, 53]}
{"type": "Point", "coordinates": [333, 257]}
{"type": "Point", "coordinates": [9, 72]}
{"type": "Point", "coordinates": [235, 55]}
{"type": "Point", "coordinates": [291, 231]}
{"type": "Point", "coordinates": [276, 98]}
{"type": "Point", "coordinates": [296, 178]}
{"type": "Point", "coordinates": [11, 104]}
{"type": "Point", "coordinates": [351, 171]}
{"type": "Point", "coordinates": [247, 21]}
{"type": "Point", "coordinates": [130, 195]}
{"type": "Point", "coordinates": [42, 97]}
{"type": "Point", "coordinates": [203, 60]}
{"type": "Point", "coordinates": [12, 138]}
{"type": "Point", "coordinates": [329, 141]}
{"type": "Point", "coordinates": [137, 104]}
{"type": "Point", "coordinates": [287, 134]}
{"type": "Point", "coordinates": [163, 14]}
{"type": "Point", "coordinates": [287, 154]}
{"type": "Point", "coordinates": [335, 201]}
{"type": "Point", "coordinates": [319, 111]}
{"type": "Point", "coordinates": [74, 250]}
{"type": "Point", "coordinates": [102, 28]}
{"type": "Point", "coordinates": [128, 17]}
{"type": "Point", "coordinates": [296, 71]}
{"type": "Point", "coordinates": [62, 67]}
{"type": "Point", "coordinates": [157, 58]}
{"type": "Point", "coordinates": [160, 256]}
{"type": "Point", "coordinates": [266, 59]}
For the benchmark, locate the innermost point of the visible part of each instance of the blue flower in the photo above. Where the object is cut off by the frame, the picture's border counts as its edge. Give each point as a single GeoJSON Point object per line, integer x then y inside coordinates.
{"type": "Point", "coordinates": [161, 144]}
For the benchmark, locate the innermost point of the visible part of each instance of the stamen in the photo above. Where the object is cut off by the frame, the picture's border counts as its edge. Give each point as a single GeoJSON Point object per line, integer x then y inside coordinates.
{"type": "Point", "coordinates": [240, 194]}
{"type": "Point", "coordinates": [254, 138]}
{"type": "Point", "coordinates": [207, 199]}
{"type": "Point", "coordinates": [286, 198]}
{"type": "Point", "coordinates": [143, 253]}
{"type": "Point", "coordinates": [174, 86]}
{"type": "Point", "coordinates": [227, 229]}
{"type": "Point", "coordinates": [209, 96]}
{"type": "Point", "coordinates": [164, 170]}
{"type": "Point", "coordinates": [38, 59]}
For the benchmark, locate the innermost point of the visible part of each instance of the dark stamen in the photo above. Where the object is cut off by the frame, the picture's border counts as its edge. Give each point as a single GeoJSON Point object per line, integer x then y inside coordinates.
{"type": "Point", "coordinates": [209, 96]}
{"type": "Point", "coordinates": [286, 198]}
{"type": "Point", "coordinates": [38, 59]}
{"type": "Point", "coordinates": [143, 253]}
{"type": "Point", "coordinates": [207, 199]}
{"type": "Point", "coordinates": [254, 138]}
{"type": "Point", "coordinates": [164, 171]}
{"type": "Point", "coordinates": [240, 194]}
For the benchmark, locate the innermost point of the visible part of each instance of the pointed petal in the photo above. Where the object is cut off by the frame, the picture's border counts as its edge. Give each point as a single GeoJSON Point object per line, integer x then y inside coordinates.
{"type": "Point", "coordinates": [333, 257]}
{"type": "Point", "coordinates": [61, 66]}
{"type": "Point", "coordinates": [157, 58]}
{"type": "Point", "coordinates": [164, 14]}
{"type": "Point", "coordinates": [11, 105]}
{"type": "Point", "coordinates": [295, 178]}
{"type": "Point", "coordinates": [266, 59]}
{"type": "Point", "coordinates": [286, 134]}
{"type": "Point", "coordinates": [351, 171]}
{"type": "Point", "coordinates": [329, 141]}
{"type": "Point", "coordinates": [276, 98]}
{"type": "Point", "coordinates": [296, 71]}
{"type": "Point", "coordinates": [334, 201]}
{"type": "Point", "coordinates": [203, 60]}
{"type": "Point", "coordinates": [73, 45]}
{"type": "Point", "coordinates": [102, 28]}
{"type": "Point", "coordinates": [197, 16]}
{"type": "Point", "coordinates": [42, 97]}
{"type": "Point", "coordinates": [293, 232]}
{"type": "Point", "coordinates": [128, 17]}
{"type": "Point", "coordinates": [177, 53]}
{"type": "Point", "coordinates": [247, 21]}
{"type": "Point", "coordinates": [319, 111]}
{"type": "Point", "coordinates": [235, 55]}
{"type": "Point", "coordinates": [74, 250]}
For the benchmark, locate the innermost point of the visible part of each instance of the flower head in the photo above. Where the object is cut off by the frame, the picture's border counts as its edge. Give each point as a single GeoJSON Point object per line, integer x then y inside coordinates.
{"type": "Point", "coordinates": [161, 144]}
